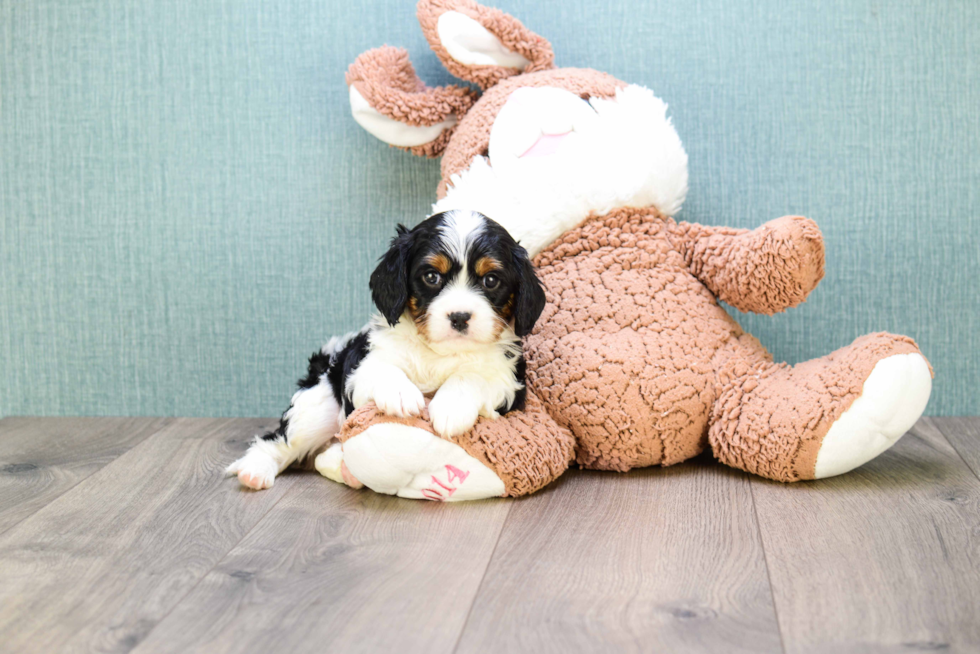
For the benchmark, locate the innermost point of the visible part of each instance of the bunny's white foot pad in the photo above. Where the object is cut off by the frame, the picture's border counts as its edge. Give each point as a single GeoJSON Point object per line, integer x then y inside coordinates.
{"type": "Point", "coordinates": [893, 398]}
{"type": "Point", "coordinates": [396, 459]}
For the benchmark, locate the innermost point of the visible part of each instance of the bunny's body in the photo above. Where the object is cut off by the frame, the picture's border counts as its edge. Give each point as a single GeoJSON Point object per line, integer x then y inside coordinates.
{"type": "Point", "coordinates": [633, 362]}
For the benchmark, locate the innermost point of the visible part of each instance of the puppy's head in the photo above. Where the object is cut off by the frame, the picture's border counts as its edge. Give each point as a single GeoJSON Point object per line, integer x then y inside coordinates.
{"type": "Point", "coordinates": [461, 278]}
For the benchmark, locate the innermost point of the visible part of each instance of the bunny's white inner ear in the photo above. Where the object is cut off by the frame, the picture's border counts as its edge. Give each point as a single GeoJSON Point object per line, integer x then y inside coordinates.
{"type": "Point", "coordinates": [391, 131]}
{"type": "Point", "coordinates": [471, 44]}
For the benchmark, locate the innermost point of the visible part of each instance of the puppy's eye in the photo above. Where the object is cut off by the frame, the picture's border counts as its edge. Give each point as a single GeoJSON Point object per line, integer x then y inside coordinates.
{"type": "Point", "coordinates": [432, 278]}
{"type": "Point", "coordinates": [490, 281]}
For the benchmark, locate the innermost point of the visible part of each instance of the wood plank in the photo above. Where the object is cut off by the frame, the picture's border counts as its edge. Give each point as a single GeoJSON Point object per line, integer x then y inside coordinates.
{"type": "Point", "coordinates": [99, 566]}
{"type": "Point", "coordinates": [883, 559]}
{"type": "Point", "coordinates": [964, 435]}
{"type": "Point", "coordinates": [41, 458]}
{"type": "Point", "coordinates": [662, 560]}
{"type": "Point", "coordinates": [335, 570]}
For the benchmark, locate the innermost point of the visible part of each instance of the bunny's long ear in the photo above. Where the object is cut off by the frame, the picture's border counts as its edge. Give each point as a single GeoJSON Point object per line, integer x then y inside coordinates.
{"type": "Point", "coordinates": [480, 44]}
{"type": "Point", "coordinates": [389, 101]}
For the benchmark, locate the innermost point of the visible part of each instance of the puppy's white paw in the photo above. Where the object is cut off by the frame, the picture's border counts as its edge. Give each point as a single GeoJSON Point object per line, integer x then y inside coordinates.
{"type": "Point", "coordinates": [398, 397]}
{"type": "Point", "coordinates": [257, 473]}
{"type": "Point", "coordinates": [451, 416]}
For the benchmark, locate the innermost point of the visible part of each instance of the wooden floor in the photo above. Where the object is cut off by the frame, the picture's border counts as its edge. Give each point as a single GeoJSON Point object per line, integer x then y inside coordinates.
{"type": "Point", "coordinates": [121, 535]}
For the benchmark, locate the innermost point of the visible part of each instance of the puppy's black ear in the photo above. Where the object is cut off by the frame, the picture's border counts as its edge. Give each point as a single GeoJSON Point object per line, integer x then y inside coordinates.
{"type": "Point", "coordinates": [530, 299]}
{"type": "Point", "coordinates": [389, 281]}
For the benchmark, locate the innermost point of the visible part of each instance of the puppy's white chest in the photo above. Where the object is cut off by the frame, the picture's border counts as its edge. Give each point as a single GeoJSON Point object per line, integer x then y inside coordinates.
{"type": "Point", "coordinates": [431, 371]}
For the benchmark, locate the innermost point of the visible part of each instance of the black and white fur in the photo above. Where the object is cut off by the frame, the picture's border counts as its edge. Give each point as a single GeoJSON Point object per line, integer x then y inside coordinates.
{"type": "Point", "coordinates": [455, 295]}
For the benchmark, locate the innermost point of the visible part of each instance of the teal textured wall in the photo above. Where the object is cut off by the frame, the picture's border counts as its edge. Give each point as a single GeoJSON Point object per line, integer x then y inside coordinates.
{"type": "Point", "coordinates": [187, 209]}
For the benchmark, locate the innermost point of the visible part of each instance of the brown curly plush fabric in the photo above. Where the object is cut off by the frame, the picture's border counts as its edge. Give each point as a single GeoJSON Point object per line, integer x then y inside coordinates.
{"type": "Point", "coordinates": [527, 449]}
{"type": "Point", "coordinates": [386, 78]}
{"type": "Point", "coordinates": [512, 34]}
{"type": "Point", "coordinates": [621, 355]}
{"type": "Point", "coordinates": [780, 263]}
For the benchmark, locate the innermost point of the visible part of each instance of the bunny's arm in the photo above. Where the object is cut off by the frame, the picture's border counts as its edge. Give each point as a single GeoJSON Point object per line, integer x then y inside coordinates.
{"type": "Point", "coordinates": [764, 270]}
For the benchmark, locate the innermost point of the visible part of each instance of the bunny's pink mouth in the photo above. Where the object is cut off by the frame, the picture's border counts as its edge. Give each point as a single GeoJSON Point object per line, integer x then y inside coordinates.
{"type": "Point", "coordinates": [545, 145]}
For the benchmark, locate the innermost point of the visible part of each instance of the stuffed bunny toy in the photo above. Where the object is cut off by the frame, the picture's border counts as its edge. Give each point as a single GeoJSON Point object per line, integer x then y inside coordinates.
{"type": "Point", "coordinates": [633, 362]}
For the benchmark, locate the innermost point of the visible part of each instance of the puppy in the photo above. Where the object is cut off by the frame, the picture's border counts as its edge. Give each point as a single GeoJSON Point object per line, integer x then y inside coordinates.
{"type": "Point", "coordinates": [455, 295]}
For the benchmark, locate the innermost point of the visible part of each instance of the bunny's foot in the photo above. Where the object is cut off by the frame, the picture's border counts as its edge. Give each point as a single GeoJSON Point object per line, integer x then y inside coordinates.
{"type": "Point", "coordinates": [823, 417]}
{"type": "Point", "coordinates": [513, 455]}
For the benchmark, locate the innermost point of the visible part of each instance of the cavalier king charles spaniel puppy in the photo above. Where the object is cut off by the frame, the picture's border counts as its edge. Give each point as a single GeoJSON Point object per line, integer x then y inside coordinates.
{"type": "Point", "coordinates": [455, 295]}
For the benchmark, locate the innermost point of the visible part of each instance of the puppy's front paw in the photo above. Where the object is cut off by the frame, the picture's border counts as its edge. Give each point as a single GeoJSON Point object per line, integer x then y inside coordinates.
{"type": "Point", "coordinates": [451, 416]}
{"type": "Point", "coordinates": [399, 397]}
{"type": "Point", "coordinates": [254, 472]}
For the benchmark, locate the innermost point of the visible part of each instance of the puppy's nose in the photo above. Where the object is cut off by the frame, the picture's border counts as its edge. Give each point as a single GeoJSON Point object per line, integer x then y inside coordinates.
{"type": "Point", "coordinates": [458, 320]}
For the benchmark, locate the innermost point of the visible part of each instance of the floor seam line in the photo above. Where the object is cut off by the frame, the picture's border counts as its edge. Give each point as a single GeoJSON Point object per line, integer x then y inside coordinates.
{"type": "Point", "coordinates": [765, 560]}
{"type": "Point", "coordinates": [493, 552]}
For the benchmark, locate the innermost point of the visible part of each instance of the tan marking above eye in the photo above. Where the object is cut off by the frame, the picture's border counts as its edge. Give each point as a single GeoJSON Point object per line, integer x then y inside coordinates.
{"type": "Point", "coordinates": [486, 265]}
{"type": "Point", "coordinates": [440, 262]}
